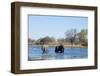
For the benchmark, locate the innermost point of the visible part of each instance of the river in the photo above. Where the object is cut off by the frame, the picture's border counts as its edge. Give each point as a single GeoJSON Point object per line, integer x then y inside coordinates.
{"type": "Point", "coordinates": [36, 53]}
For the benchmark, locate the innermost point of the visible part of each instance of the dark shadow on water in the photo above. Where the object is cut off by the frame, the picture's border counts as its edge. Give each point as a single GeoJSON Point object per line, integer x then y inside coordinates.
{"type": "Point", "coordinates": [59, 56]}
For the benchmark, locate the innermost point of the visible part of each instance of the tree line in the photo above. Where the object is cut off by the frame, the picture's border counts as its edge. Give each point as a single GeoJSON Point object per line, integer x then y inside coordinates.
{"type": "Point", "coordinates": [72, 37]}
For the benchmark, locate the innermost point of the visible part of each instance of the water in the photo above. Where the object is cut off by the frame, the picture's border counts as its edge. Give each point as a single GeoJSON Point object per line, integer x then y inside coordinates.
{"type": "Point", "coordinates": [35, 53]}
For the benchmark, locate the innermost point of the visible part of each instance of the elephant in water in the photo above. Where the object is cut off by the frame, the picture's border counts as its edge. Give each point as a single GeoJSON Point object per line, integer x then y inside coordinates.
{"type": "Point", "coordinates": [59, 49]}
{"type": "Point", "coordinates": [45, 49]}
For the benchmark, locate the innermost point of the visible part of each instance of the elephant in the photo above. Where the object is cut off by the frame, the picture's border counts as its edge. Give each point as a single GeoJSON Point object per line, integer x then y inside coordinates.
{"type": "Point", "coordinates": [59, 49]}
{"type": "Point", "coordinates": [45, 49]}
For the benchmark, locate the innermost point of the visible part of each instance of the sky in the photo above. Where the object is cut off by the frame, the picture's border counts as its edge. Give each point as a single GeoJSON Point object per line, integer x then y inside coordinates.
{"type": "Point", "coordinates": [40, 26]}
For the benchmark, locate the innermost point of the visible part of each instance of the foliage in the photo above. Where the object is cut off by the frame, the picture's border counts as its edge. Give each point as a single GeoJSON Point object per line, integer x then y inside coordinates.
{"type": "Point", "coordinates": [83, 37]}
{"type": "Point", "coordinates": [46, 40]}
{"type": "Point", "coordinates": [71, 35]}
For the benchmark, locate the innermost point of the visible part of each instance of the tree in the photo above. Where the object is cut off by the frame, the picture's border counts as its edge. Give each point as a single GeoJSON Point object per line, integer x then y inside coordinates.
{"type": "Point", "coordinates": [31, 41]}
{"type": "Point", "coordinates": [46, 40]}
{"type": "Point", "coordinates": [71, 35]}
{"type": "Point", "coordinates": [82, 36]}
{"type": "Point", "coordinates": [37, 42]}
{"type": "Point", "coordinates": [61, 40]}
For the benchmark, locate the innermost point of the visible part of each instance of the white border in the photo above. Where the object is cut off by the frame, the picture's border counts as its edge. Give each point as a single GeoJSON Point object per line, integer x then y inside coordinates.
{"type": "Point", "coordinates": [25, 64]}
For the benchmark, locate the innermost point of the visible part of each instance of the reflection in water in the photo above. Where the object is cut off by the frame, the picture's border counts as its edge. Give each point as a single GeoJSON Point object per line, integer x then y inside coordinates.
{"type": "Point", "coordinates": [59, 56]}
{"type": "Point", "coordinates": [35, 53]}
{"type": "Point", "coordinates": [45, 56]}
{"type": "Point", "coordinates": [49, 57]}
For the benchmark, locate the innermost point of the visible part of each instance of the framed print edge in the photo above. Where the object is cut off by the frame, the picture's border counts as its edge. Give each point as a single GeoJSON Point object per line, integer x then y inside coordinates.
{"type": "Point", "coordinates": [15, 37]}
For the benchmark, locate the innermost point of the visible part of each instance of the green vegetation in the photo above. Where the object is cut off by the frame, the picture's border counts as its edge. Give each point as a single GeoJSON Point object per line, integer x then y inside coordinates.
{"type": "Point", "coordinates": [72, 38]}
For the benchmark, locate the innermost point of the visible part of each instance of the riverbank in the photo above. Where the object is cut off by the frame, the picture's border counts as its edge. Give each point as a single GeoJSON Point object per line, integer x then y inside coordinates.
{"type": "Point", "coordinates": [65, 46]}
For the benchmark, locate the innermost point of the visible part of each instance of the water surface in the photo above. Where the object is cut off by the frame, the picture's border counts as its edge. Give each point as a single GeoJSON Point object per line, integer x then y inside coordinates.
{"type": "Point", "coordinates": [36, 53]}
